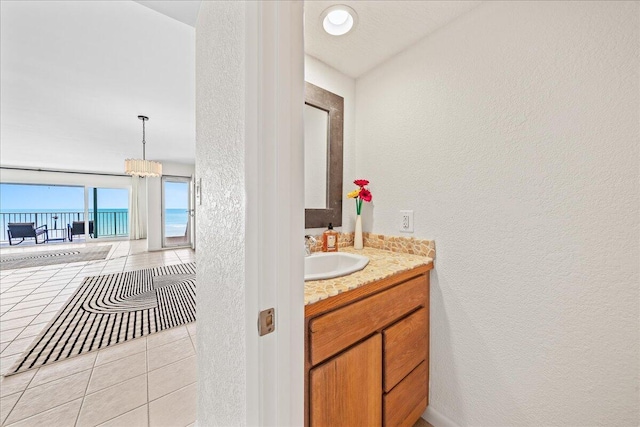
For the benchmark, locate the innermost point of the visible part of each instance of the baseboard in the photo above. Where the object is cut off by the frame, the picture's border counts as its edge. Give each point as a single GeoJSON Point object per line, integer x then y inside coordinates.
{"type": "Point", "coordinates": [437, 419]}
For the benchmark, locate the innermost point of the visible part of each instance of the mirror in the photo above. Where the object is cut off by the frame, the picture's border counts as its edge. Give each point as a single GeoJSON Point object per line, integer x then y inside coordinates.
{"type": "Point", "coordinates": [324, 117]}
{"type": "Point", "coordinates": [316, 134]}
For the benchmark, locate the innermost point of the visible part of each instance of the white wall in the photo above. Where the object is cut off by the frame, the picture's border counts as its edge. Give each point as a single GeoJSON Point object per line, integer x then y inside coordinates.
{"type": "Point", "coordinates": [154, 201]}
{"type": "Point", "coordinates": [16, 176]}
{"type": "Point", "coordinates": [326, 77]}
{"type": "Point", "coordinates": [250, 94]}
{"type": "Point", "coordinates": [222, 361]}
{"type": "Point", "coordinates": [513, 134]}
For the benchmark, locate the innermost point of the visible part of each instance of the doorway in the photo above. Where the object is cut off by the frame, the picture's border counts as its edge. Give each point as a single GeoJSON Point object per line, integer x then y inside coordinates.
{"type": "Point", "coordinates": [177, 211]}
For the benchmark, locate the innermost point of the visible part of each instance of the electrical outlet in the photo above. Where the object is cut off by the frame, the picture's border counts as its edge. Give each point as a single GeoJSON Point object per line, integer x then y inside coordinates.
{"type": "Point", "coordinates": [406, 221]}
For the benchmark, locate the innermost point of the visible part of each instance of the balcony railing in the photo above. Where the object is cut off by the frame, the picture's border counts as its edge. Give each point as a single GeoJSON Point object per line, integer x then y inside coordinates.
{"type": "Point", "coordinates": [109, 223]}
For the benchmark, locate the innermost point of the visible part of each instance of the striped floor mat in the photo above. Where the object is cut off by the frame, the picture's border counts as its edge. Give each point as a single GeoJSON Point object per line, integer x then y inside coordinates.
{"type": "Point", "coordinates": [60, 256]}
{"type": "Point", "coordinates": [110, 309]}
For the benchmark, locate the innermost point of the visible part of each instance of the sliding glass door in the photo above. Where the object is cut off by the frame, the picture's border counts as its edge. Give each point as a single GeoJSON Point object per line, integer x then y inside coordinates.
{"type": "Point", "coordinates": [177, 213]}
{"type": "Point", "coordinates": [62, 209]}
{"type": "Point", "coordinates": [50, 206]}
{"type": "Point", "coordinates": [109, 212]}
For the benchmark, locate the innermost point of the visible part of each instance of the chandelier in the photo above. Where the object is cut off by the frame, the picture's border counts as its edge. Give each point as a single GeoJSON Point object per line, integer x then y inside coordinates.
{"type": "Point", "coordinates": [144, 167]}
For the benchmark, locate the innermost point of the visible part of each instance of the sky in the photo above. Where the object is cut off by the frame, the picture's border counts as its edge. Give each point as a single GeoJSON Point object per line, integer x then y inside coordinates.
{"type": "Point", "coordinates": [56, 197]}
{"type": "Point", "coordinates": [175, 195]}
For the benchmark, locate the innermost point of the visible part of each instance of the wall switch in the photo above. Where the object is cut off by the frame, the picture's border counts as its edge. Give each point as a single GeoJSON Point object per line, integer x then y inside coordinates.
{"type": "Point", "coordinates": [198, 191]}
{"type": "Point", "coordinates": [406, 221]}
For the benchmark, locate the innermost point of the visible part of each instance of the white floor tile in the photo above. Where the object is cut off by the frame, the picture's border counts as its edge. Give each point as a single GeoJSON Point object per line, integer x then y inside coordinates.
{"type": "Point", "coordinates": [63, 369]}
{"type": "Point", "coordinates": [114, 385]}
{"type": "Point", "coordinates": [170, 378]}
{"type": "Point", "coordinates": [113, 401]}
{"type": "Point", "coordinates": [49, 395]}
{"type": "Point", "coordinates": [137, 418]}
{"type": "Point", "coordinates": [169, 353]}
{"type": "Point", "coordinates": [17, 347]}
{"type": "Point", "coordinates": [167, 336]}
{"type": "Point", "coordinates": [109, 374]}
{"type": "Point", "coordinates": [6, 405]}
{"type": "Point", "coordinates": [63, 415]}
{"type": "Point", "coordinates": [10, 334]}
{"type": "Point", "coordinates": [16, 383]}
{"type": "Point", "coordinates": [175, 409]}
{"type": "Point", "coordinates": [119, 351]}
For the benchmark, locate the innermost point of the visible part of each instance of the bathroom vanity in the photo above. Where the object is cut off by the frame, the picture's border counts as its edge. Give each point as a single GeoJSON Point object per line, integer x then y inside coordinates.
{"type": "Point", "coordinates": [367, 344]}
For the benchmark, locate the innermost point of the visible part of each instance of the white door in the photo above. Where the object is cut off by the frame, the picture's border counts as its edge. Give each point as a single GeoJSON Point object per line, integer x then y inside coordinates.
{"type": "Point", "coordinates": [192, 212]}
{"type": "Point", "coordinates": [176, 211]}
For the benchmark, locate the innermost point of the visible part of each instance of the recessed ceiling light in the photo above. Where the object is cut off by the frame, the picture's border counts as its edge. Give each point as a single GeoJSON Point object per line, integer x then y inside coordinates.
{"type": "Point", "coordinates": [338, 20]}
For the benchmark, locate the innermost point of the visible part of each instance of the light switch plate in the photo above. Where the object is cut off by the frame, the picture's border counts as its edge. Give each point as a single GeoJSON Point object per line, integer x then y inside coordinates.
{"type": "Point", "coordinates": [198, 191]}
{"type": "Point", "coordinates": [406, 221]}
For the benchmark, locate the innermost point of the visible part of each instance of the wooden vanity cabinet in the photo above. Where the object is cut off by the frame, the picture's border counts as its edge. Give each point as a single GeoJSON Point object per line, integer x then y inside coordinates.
{"type": "Point", "coordinates": [367, 354]}
{"type": "Point", "coordinates": [348, 387]}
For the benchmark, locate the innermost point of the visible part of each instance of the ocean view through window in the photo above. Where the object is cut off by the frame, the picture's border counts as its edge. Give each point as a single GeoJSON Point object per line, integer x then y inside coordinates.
{"type": "Point", "coordinates": [176, 196]}
{"type": "Point", "coordinates": [58, 206]}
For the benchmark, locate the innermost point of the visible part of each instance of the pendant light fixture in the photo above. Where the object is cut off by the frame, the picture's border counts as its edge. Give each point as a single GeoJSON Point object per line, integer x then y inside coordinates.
{"type": "Point", "coordinates": [144, 167]}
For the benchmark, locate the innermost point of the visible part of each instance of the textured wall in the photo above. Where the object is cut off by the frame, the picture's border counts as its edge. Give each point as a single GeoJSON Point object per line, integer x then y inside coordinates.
{"type": "Point", "coordinates": [513, 134]}
{"type": "Point", "coordinates": [220, 113]}
{"type": "Point", "coordinates": [320, 74]}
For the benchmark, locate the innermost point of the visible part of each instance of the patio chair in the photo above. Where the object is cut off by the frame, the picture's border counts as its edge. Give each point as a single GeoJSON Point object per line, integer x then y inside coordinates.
{"type": "Point", "coordinates": [26, 230]}
{"type": "Point", "coordinates": [78, 229]}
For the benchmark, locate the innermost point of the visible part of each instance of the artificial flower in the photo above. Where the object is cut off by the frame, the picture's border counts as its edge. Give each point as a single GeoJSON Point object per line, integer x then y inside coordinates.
{"type": "Point", "coordinates": [365, 195]}
{"type": "Point", "coordinates": [360, 194]}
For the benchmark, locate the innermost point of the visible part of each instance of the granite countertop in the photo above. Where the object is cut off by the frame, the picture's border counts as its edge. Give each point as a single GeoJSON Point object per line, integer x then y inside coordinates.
{"type": "Point", "coordinates": [382, 264]}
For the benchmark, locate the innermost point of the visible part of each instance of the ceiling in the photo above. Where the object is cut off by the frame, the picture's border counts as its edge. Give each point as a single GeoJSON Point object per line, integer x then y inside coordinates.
{"type": "Point", "coordinates": [185, 11]}
{"type": "Point", "coordinates": [384, 29]}
{"type": "Point", "coordinates": [75, 75]}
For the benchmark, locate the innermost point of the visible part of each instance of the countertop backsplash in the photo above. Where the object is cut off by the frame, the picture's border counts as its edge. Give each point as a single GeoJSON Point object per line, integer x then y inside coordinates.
{"type": "Point", "coordinates": [407, 245]}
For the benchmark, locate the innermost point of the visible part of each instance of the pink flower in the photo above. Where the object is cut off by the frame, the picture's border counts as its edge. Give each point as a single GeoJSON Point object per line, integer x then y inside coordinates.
{"type": "Point", "coordinates": [361, 182]}
{"type": "Point", "coordinates": [365, 194]}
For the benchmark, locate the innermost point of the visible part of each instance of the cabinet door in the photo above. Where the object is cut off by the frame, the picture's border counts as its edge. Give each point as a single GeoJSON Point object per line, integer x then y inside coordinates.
{"type": "Point", "coordinates": [347, 389]}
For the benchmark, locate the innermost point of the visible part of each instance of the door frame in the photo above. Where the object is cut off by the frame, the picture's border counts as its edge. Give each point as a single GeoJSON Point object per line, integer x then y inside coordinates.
{"type": "Point", "coordinates": [274, 162]}
{"type": "Point", "coordinates": [192, 211]}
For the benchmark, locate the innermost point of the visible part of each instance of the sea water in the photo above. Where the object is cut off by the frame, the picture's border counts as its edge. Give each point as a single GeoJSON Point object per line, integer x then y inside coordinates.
{"type": "Point", "coordinates": [111, 222]}
{"type": "Point", "coordinates": [175, 222]}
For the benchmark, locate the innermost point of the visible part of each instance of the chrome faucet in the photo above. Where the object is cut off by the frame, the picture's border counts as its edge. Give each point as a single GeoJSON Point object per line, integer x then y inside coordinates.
{"type": "Point", "coordinates": [308, 242]}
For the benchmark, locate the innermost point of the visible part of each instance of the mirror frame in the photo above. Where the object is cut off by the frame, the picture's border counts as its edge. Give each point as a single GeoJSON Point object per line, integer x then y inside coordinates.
{"type": "Point", "coordinates": [333, 104]}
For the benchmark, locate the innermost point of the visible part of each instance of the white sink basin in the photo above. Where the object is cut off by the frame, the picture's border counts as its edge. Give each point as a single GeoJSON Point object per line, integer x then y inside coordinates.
{"type": "Point", "coordinates": [332, 264]}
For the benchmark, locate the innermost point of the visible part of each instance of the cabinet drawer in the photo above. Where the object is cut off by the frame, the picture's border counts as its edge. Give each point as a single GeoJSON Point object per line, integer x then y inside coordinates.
{"type": "Point", "coordinates": [408, 400]}
{"type": "Point", "coordinates": [335, 331]}
{"type": "Point", "coordinates": [405, 346]}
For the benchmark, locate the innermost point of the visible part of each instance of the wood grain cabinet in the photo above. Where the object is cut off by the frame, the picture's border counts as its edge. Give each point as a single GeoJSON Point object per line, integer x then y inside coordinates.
{"type": "Point", "coordinates": [367, 354]}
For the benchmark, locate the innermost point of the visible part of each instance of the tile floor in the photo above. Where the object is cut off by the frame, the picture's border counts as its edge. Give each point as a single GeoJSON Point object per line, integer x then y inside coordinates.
{"type": "Point", "coordinates": [148, 381]}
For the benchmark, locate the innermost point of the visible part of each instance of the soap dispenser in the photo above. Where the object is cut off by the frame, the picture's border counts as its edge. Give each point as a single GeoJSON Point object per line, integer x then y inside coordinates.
{"type": "Point", "coordinates": [330, 240]}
